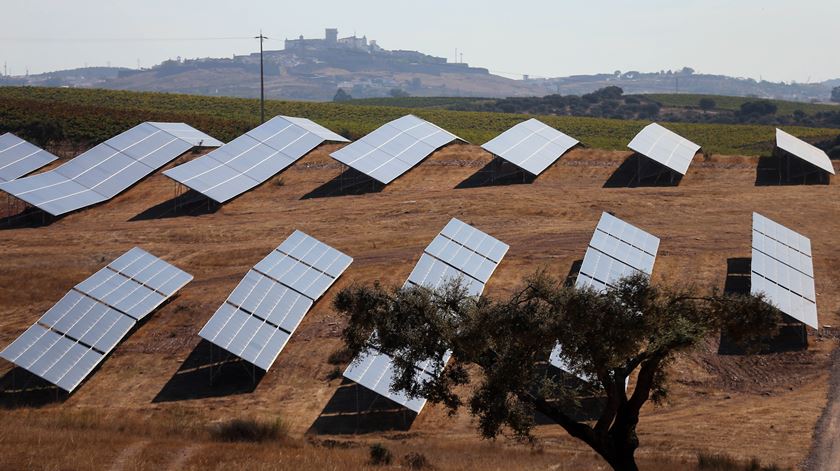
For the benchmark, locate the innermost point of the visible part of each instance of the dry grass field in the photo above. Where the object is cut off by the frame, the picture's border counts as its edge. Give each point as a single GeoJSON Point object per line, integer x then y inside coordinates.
{"type": "Point", "coordinates": [146, 407]}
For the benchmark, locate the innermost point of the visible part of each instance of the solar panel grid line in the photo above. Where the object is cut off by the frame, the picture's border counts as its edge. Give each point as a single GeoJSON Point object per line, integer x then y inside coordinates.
{"type": "Point", "coordinates": [259, 316]}
{"type": "Point", "coordinates": [19, 157]}
{"type": "Point", "coordinates": [665, 147]}
{"type": "Point", "coordinates": [784, 254]}
{"type": "Point", "coordinates": [102, 172]}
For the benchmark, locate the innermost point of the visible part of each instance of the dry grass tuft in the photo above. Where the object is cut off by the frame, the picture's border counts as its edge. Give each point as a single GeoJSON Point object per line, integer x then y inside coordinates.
{"type": "Point", "coordinates": [249, 430]}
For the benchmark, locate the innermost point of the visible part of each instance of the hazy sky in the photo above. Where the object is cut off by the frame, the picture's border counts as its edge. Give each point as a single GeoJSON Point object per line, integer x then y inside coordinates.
{"type": "Point", "coordinates": [779, 40]}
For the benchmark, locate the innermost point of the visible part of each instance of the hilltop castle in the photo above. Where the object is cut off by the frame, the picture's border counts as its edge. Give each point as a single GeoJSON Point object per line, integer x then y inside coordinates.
{"type": "Point", "coordinates": [332, 41]}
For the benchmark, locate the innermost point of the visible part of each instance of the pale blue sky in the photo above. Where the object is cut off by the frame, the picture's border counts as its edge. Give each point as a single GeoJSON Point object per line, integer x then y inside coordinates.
{"type": "Point", "coordinates": [774, 39]}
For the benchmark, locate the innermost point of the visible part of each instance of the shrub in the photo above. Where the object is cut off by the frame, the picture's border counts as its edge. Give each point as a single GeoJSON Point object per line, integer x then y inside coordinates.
{"type": "Point", "coordinates": [415, 460]}
{"type": "Point", "coordinates": [379, 455]}
{"type": "Point", "coordinates": [248, 430]}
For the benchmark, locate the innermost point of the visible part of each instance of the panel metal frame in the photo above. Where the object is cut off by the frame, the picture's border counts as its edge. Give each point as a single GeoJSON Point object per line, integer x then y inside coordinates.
{"type": "Point", "coordinates": [107, 169]}
{"type": "Point", "coordinates": [666, 147]}
{"type": "Point", "coordinates": [291, 278]}
{"type": "Point", "coordinates": [253, 158]}
{"type": "Point", "coordinates": [74, 336]}
{"type": "Point", "coordinates": [782, 268]}
{"type": "Point", "coordinates": [394, 148]}
{"type": "Point", "coordinates": [531, 145]}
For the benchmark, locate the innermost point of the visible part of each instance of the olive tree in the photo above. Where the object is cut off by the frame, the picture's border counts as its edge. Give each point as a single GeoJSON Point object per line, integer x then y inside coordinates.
{"type": "Point", "coordinates": [630, 332]}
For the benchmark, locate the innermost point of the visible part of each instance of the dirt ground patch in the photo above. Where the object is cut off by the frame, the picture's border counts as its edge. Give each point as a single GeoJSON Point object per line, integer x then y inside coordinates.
{"type": "Point", "coordinates": [766, 406]}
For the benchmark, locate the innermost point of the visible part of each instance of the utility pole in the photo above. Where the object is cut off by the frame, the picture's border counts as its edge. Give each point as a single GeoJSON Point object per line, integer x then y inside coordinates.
{"type": "Point", "coordinates": [262, 80]}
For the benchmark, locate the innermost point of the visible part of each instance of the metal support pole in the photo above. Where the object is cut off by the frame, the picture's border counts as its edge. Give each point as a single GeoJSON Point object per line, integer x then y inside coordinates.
{"type": "Point", "coordinates": [262, 79]}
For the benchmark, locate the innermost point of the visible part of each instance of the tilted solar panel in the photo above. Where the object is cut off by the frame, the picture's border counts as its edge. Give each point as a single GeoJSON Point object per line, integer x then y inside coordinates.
{"type": "Point", "coordinates": [264, 310]}
{"type": "Point", "coordinates": [252, 158]}
{"type": "Point", "coordinates": [617, 250]}
{"type": "Point", "coordinates": [803, 150]}
{"type": "Point", "coordinates": [394, 148]}
{"type": "Point", "coordinates": [76, 334]}
{"type": "Point", "coordinates": [783, 269]}
{"type": "Point", "coordinates": [461, 252]}
{"type": "Point", "coordinates": [18, 157]}
{"type": "Point", "coordinates": [666, 147]}
{"type": "Point", "coordinates": [108, 168]}
{"type": "Point", "coordinates": [531, 145]}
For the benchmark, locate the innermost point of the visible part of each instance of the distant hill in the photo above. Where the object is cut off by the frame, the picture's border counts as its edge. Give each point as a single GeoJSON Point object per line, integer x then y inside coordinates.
{"type": "Point", "coordinates": [314, 69]}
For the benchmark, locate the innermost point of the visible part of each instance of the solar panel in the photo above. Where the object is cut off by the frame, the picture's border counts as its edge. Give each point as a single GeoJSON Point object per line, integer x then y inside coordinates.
{"type": "Point", "coordinates": [666, 147]}
{"type": "Point", "coordinates": [18, 157]}
{"type": "Point", "coordinates": [252, 158]}
{"type": "Point", "coordinates": [263, 311]}
{"type": "Point", "coordinates": [531, 145]}
{"type": "Point", "coordinates": [107, 169]}
{"type": "Point", "coordinates": [76, 334]}
{"type": "Point", "coordinates": [782, 268]}
{"type": "Point", "coordinates": [803, 150]}
{"type": "Point", "coordinates": [394, 148]}
{"type": "Point", "coordinates": [461, 252]}
{"type": "Point", "coordinates": [617, 250]}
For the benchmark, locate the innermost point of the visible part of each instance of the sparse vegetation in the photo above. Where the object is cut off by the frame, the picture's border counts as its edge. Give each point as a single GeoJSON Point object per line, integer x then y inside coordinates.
{"type": "Point", "coordinates": [379, 455]}
{"type": "Point", "coordinates": [721, 462]}
{"type": "Point", "coordinates": [415, 460]}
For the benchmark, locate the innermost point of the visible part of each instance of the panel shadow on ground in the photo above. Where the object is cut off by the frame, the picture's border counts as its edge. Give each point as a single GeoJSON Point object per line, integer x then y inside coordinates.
{"type": "Point", "coordinates": [355, 409]}
{"type": "Point", "coordinates": [779, 170]}
{"type": "Point", "coordinates": [792, 335]}
{"type": "Point", "coordinates": [497, 172]}
{"type": "Point", "coordinates": [210, 372]}
{"type": "Point", "coordinates": [349, 182]}
{"type": "Point", "coordinates": [190, 203]}
{"type": "Point", "coordinates": [640, 171]}
{"type": "Point", "coordinates": [21, 389]}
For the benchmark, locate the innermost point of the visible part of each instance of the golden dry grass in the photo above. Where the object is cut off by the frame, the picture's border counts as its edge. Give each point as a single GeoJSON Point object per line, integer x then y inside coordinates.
{"type": "Point", "coordinates": [748, 408]}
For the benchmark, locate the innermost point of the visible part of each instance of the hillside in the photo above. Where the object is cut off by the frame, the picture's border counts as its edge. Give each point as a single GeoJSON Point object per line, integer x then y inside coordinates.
{"type": "Point", "coordinates": [151, 405]}
{"type": "Point", "coordinates": [84, 117]}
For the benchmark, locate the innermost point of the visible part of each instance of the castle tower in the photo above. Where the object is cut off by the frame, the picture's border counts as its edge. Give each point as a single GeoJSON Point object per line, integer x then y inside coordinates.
{"type": "Point", "coordinates": [331, 36]}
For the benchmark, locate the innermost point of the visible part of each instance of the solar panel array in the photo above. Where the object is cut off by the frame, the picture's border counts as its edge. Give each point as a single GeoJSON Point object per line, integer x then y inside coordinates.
{"type": "Point", "coordinates": [666, 147]}
{"type": "Point", "coordinates": [107, 169]}
{"type": "Point", "coordinates": [76, 334]}
{"type": "Point", "coordinates": [531, 145]}
{"type": "Point", "coordinates": [803, 150]}
{"type": "Point", "coordinates": [394, 148]}
{"type": "Point", "coordinates": [19, 157]}
{"type": "Point", "coordinates": [460, 251]}
{"type": "Point", "coordinates": [252, 158]}
{"type": "Point", "coordinates": [617, 250]}
{"type": "Point", "coordinates": [782, 269]}
{"type": "Point", "coordinates": [263, 311]}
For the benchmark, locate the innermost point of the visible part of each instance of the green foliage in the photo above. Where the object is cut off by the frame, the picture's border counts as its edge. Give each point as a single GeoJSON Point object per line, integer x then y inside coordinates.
{"type": "Point", "coordinates": [634, 329]}
{"type": "Point", "coordinates": [341, 95]}
{"type": "Point", "coordinates": [733, 103]}
{"type": "Point", "coordinates": [707, 104]}
{"type": "Point", "coordinates": [379, 455]}
{"type": "Point", "coordinates": [398, 93]}
{"type": "Point", "coordinates": [759, 108]}
{"type": "Point", "coordinates": [88, 116]}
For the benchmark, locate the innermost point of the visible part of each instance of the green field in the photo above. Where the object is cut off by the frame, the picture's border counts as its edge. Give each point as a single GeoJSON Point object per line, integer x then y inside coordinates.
{"type": "Point", "coordinates": [89, 116]}
{"type": "Point", "coordinates": [733, 103]}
